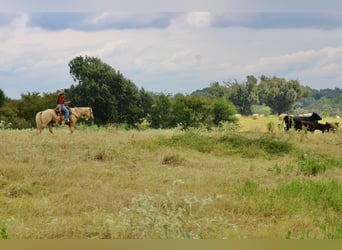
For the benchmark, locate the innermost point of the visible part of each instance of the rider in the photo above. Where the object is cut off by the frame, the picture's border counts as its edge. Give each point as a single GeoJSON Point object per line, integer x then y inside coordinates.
{"type": "Point", "coordinates": [61, 104]}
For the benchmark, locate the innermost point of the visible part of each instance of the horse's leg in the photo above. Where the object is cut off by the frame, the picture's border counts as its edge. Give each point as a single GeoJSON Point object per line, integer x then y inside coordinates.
{"type": "Point", "coordinates": [72, 123]}
{"type": "Point", "coordinates": [50, 128]}
{"type": "Point", "coordinates": [71, 126]}
{"type": "Point", "coordinates": [40, 128]}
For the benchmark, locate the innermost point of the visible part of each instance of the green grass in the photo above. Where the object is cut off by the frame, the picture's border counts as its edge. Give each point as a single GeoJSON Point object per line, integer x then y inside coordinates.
{"type": "Point", "coordinates": [312, 208]}
{"type": "Point", "coordinates": [230, 183]}
{"type": "Point", "coordinates": [229, 144]}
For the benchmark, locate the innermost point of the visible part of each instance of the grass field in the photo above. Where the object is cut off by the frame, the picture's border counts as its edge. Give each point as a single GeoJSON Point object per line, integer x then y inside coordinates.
{"type": "Point", "coordinates": [253, 182]}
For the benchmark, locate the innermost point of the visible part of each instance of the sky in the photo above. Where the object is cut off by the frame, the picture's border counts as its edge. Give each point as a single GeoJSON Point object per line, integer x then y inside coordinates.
{"type": "Point", "coordinates": [170, 48]}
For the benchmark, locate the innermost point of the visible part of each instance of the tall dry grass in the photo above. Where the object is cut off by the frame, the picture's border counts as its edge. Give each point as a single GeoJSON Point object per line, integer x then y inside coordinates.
{"type": "Point", "coordinates": [224, 183]}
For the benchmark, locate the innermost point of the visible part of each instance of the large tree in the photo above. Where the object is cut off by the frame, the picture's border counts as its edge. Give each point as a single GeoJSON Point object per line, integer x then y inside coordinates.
{"type": "Point", "coordinates": [2, 97]}
{"type": "Point", "coordinates": [279, 94]}
{"type": "Point", "coordinates": [243, 95]}
{"type": "Point", "coordinates": [216, 90]}
{"type": "Point", "coordinates": [161, 116]}
{"type": "Point", "coordinates": [223, 111]}
{"type": "Point", "coordinates": [190, 111]}
{"type": "Point", "coordinates": [114, 98]}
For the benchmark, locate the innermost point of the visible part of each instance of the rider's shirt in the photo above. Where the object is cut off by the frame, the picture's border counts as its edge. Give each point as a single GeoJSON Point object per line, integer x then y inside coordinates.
{"type": "Point", "coordinates": [60, 99]}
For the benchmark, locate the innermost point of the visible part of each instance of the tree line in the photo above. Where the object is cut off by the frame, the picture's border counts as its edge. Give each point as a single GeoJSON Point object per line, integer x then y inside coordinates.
{"type": "Point", "coordinates": [117, 100]}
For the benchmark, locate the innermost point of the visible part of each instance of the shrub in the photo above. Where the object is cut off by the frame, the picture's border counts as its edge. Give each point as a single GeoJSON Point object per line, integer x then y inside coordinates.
{"type": "Point", "coordinates": [230, 144]}
{"type": "Point", "coordinates": [168, 217]}
{"type": "Point", "coordinates": [3, 233]}
{"type": "Point", "coordinates": [310, 167]}
{"type": "Point", "coordinates": [311, 164]}
{"type": "Point", "coordinates": [223, 110]}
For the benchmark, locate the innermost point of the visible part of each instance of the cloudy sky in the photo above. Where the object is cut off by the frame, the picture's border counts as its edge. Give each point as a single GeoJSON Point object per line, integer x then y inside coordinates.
{"type": "Point", "coordinates": [170, 48]}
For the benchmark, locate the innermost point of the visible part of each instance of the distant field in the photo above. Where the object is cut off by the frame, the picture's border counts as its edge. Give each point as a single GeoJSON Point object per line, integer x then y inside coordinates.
{"type": "Point", "coordinates": [253, 182]}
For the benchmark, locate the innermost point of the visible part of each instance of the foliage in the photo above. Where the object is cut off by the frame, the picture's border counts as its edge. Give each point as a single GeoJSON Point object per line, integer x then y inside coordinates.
{"type": "Point", "coordinates": [230, 144]}
{"type": "Point", "coordinates": [244, 95]}
{"type": "Point", "coordinates": [32, 103]}
{"type": "Point", "coordinates": [168, 217]}
{"type": "Point", "coordinates": [3, 233]}
{"type": "Point", "coordinates": [114, 98]}
{"type": "Point", "coordinates": [215, 90]}
{"type": "Point", "coordinates": [2, 97]}
{"type": "Point", "coordinates": [21, 113]}
{"type": "Point", "coordinates": [314, 164]}
{"type": "Point", "coordinates": [161, 116]}
{"type": "Point", "coordinates": [223, 111]}
{"type": "Point", "coordinates": [311, 198]}
{"type": "Point", "coordinates": [190, 111]}
{"type": "Point", "coordinates": [146, 101]}
{"type": "Point", "coordinates": [117, 100]}
{"type": "Point", "coordinates": [310, 166]}
{"type": "Point", "coordinates": [261, 109]}
{"type": "Point", "coordinates": [327, 102]}
{"type": "Point", "coordinates": [279, 94]}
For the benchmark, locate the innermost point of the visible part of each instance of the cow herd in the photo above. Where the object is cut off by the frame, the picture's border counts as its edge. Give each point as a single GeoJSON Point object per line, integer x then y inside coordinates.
{"type": "Point", "coordinates": [309, 122]}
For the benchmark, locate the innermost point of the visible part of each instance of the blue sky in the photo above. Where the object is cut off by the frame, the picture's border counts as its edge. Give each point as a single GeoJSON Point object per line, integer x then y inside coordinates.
{"type": "Point", "coordinates": [170, 48]}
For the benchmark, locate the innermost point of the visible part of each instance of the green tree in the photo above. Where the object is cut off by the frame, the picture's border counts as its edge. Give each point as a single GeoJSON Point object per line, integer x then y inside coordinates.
{"type": "Point", "coordinates": [114, 98]}
{"type": "Point", "coordinates": [217, 91]}
{"type": "Point", "coordinates": [243, 95]}
{"type": "Point", "coordinates": [279, 94]}
{"type": "Point", "coordinates": [328, 101]}
{"type": "Point", "coordinates": [146, 100]}
{"type": "Point", "coordinates": [2, 97]}
{"type": "Point", "coordinates": [31, 103]}
{"type": "Point", "coordinates": [223, 110]}
{"type": "Point", "coordinates": [161, 116]}
{"type": "Point", "coordinates": [190, 111]}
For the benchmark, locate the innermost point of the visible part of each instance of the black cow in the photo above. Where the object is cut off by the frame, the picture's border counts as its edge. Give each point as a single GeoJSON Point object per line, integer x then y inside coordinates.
{"type": "Point", "coordinates": [301, 121]}
{"type": "Point", "coordinates": [311, 126]}
{"type": "Point", "coordinates": [314, 125]}
{"type": "Point", "coordinates": [331, 126]}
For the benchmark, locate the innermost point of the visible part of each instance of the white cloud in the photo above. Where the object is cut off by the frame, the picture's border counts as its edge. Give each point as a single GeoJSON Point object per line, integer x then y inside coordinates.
{"type": "Point", "coordinates": [199, 19]}
{"type": "Point", "coordinates": [185, 56]}
{"type": "Point", "coordinates": [316, 68]}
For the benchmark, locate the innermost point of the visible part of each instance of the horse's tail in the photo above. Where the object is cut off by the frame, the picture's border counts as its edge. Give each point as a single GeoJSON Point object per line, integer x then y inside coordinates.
{"type": "Point", "coordinates": [39, 120]}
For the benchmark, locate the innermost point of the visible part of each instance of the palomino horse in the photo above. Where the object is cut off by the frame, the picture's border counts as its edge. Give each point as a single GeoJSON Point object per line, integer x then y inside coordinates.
{"type": "Point", "coordinates": [49, 116]}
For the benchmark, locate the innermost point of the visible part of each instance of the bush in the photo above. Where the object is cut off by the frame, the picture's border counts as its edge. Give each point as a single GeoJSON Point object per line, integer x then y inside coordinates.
{"type": "Point", "coordinates": [168, 217]}
{"type": "Point", "coordinates": [230, 144]}
{"type": "Point", "coordinates": [313, 164]}
{"type": "Point", "coordinates": [223, 110]}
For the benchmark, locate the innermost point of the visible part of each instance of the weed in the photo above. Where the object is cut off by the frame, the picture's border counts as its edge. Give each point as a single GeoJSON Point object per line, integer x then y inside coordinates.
{"type": "Point", "coordinates": [275, 146]}
{"type": "Point", "coordinates": [310, 167]}
{"type": "Point", "coordinates": [271, 128]}
{"type": "Point", "coordinates": [276, 169]}
{"type": "Point", "coordinates": [168, 217]}
{"type": "Point", "coordinates": [230, 144]}
{"type": "Point", "coordinates": [321, 195]}
{"type": "Point", "coordinates": [313, 164]}
{"type": "Point", "coordinates": [3, 232]}
{"type": "Point", "coordinates": [173, 160]}
{"type": "Point", "coordinates": [248, 187]}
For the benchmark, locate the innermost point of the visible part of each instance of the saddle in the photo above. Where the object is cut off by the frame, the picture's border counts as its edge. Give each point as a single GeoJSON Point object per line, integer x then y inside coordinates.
{"type": "Point", "coordinates": [60, 113]}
